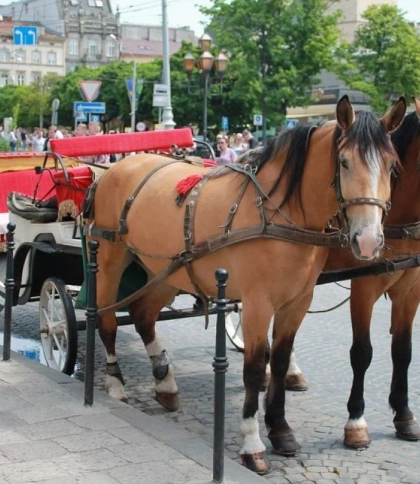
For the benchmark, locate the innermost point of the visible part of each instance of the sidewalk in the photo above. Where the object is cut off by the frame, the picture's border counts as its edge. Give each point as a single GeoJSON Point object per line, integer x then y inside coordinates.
{"type": "Point", "coordinates": [47, 435]}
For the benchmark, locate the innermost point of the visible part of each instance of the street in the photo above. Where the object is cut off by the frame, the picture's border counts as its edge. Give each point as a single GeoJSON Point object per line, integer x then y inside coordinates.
{"type": "Point", "coordinates": [317, 416]}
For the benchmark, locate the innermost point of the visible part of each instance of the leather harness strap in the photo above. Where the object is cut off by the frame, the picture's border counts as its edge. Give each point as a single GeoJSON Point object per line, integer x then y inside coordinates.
{"type": "Point", "coordinates": [123, 229]}
{"type": "Point", "coordinates": [399, 232]}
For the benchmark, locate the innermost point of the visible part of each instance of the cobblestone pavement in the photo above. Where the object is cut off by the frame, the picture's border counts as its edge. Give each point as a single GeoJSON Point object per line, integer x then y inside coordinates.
{"type": "Point", "coordinates": [317, 416]}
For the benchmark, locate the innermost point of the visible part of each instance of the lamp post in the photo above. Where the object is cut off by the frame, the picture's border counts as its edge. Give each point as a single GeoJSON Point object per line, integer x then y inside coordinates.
{"type": "Point", "coordinates": [205, 64]}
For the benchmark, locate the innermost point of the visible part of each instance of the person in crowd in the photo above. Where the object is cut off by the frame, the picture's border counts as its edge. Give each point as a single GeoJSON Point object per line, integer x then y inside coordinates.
{"type": "Point", "coordinates": [38, 140]}
{"type": "Point", "coordinates": [227, 155]}
{"type": "Point", "coordinates": [13, 140]}
{"type": "Point", "coordinates": [50, 135]}
{"type": "Point", "coordinates": [238, 145]}
{"type": "Point", "coordinates": [215, 146]}
{"type": "Point", "coordinates": [81, 130]}
{"type": "Point", "coordinates": [23, 139]}
{"type": "Point", "coordinates": [249, 139]}
{"type": "Point", "coordinates": [94, 129]}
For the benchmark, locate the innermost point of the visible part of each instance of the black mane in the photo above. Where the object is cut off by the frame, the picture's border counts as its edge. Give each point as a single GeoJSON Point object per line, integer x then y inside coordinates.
{"type": "Point", "coordinates": [368, 136]}
{"type": "Point", "coordinates": [404, 135]}
{"type": "Point", "coordinates": [294, 143]}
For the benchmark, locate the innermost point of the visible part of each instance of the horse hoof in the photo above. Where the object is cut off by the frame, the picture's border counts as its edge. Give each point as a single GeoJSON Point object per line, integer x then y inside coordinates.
{"type": "Point", "coordinates": [408, 430]}
{"type": "Point", "coordinates": [169, 401]}
{"type": "Point", "coordinates": [296, 383]}
{"type": "Point", "coordinates": [257, 462]}
{"type": "Point", "coordinates": [285, 445]}
{"type": "Point", "coordinates": [356, 438]}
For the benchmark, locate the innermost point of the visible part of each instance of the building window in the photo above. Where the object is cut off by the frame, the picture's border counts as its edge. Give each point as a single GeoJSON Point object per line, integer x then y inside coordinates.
{"type": "Point", "coordinates": [18, 56]}
{"type": "Point", "coordinates": [20, 79]}
{"type": "Point", "coordinates": [92, 48]}
{"type": "Point", "coordinates": [52, 58]}
{"type": "Point", "coordinates": [4, 55]}
{"type": "Point", "coordinates": [74, 2]}
{"type": "Point", "coordinates": [111, 48]}
{"type": "Point", "coordinates": [73, 47]}
{"type": "Point", "coordinates": [36, 77]}
{"type": "Point", "coordinates": [4, 80]}
{"type": "Point", "coordinates": [36, 57]}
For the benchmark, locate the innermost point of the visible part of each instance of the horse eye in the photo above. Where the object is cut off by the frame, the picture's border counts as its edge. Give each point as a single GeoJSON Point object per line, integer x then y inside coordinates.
{"type": "Point", "coordinates": [344, 163]}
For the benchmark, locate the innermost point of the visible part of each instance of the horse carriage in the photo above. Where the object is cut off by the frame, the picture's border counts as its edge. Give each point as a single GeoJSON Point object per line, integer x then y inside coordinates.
{"type": "Point", "coordinates": [270, 220]}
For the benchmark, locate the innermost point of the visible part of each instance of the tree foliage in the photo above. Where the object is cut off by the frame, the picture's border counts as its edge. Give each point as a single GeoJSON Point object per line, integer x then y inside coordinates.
{"type": "Point", "coordinates": [384, 59]}
{"type": "Point", "coordinates": [278, 49]}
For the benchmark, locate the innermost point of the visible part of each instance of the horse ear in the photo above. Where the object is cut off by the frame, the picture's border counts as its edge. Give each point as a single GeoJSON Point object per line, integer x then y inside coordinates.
{"type": "Point", "coordinates": [417, 104]}
{"type": "Point", "coordinates": [395, 115]}
{"type": "Point", "coordinates": [345, 113]}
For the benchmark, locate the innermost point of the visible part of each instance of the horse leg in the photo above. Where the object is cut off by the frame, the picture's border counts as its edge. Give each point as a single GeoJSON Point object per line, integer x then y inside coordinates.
{"type": "Point", "coordinates": [362, 301]}
{"type": "Point", "coordinates": [112, 260]}
{"type": "Point", "coordinates": [286, 324]}
{"type": "Point", "coordinates": [255, 323]}
{"type": "Point", "coordinates": [295, 379]}
{"type": "Point", "coordinates": [403, 313]}
{"type": "Point", "coordinates": [144, 314]}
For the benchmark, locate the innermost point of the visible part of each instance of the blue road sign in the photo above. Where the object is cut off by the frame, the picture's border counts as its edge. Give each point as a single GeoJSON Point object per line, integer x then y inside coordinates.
{"type": "Point", "coordinates": [94, 118]}
{"type": "Point", "coordinates": [225, 122]}
{"type": "Point", "coordinates": [88, 108]}
{"type": "Point", "coordinates": [291, 123]}
{"type": "Point", "coordinates": [25, 35]}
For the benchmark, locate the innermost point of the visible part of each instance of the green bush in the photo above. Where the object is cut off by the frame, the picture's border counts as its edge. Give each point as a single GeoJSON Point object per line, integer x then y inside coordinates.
{"type": "Point", "coordinates": [4, 145]}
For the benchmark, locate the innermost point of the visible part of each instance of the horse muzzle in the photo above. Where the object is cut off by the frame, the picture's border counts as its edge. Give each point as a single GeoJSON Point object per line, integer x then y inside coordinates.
{"type": "Point", "coordinates": [367, 243]}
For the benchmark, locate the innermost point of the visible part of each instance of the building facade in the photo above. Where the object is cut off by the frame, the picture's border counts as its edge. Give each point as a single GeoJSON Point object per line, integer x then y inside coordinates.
{"type": "Point", "coordinates": [331, 88]}
{"type": "Point", "coordinates": [352, 11]}
{"type": "Point", "coordinates": [26, 64]}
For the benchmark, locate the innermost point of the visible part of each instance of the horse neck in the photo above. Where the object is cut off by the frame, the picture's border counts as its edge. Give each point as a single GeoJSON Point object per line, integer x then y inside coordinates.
{"type": "Point", "coordinates": [318, 197]}
{"type": "Point", "coordinates": [406, 196]}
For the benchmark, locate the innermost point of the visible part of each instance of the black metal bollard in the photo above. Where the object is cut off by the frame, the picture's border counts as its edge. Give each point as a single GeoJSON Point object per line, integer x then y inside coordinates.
{"type": "Point", "coordinates": [9, 288]}
{"type": "Point", "coordinates": [220, 365]}
{"type": "Point", "coordinates": [91, 318]}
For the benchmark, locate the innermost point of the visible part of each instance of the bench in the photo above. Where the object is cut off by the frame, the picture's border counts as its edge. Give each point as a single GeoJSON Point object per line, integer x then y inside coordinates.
{"type": "Point", "coordinates": [123, 143]}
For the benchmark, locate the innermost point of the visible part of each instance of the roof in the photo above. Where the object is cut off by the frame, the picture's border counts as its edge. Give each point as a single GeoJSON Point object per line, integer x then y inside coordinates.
{"type": "Point", "coordinates": [147, 48]}
{"type": "Point", "coordinates": [7, 24]}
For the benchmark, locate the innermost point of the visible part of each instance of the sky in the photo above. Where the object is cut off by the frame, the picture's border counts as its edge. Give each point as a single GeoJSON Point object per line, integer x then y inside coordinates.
{"type": "Point", "coordinates": [185, 12]}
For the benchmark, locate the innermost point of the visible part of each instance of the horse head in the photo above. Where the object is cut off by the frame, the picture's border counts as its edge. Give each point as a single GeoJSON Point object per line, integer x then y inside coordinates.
{"type": "Point", "coordinates": [365, 157]}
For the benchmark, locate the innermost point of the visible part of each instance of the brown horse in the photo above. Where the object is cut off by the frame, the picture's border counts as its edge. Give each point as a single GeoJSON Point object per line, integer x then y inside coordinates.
{"type": "Point", "coordinates": [251, 219]}
{"type": "Point", "coordinates": [402, 232]}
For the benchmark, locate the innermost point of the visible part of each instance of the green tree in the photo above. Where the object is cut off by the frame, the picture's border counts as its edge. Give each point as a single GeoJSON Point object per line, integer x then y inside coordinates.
{"type": "Point", "coordinates": [384, 59]}
{"type": "Point", "coordinates": [278, 49]}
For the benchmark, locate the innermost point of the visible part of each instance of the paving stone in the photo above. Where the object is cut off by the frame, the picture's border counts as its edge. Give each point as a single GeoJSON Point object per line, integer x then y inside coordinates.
{"type": "Point", "coordinates": [28, 451]}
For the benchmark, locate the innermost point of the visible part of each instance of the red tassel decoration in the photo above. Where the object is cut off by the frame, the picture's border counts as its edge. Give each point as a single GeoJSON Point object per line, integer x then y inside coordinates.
{"type": "Point", "coordinates": [184, 186]}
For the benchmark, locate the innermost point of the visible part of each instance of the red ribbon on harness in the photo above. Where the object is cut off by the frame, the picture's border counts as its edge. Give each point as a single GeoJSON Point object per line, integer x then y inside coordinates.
{"type": "Point", "coordinates": [184, 187]}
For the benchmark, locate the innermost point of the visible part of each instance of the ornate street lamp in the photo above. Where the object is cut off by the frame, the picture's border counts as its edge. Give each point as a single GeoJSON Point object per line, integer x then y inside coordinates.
{"type": "Point", "coordinates": [206, 65]}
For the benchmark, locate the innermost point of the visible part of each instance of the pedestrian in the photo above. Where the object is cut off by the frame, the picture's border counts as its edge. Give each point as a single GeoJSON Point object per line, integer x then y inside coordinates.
{"type": "Point", "coordinates": [13, 140]}
{"type": "Point", "coordinates": [238, 145]}
{"type": "Point", "coordinates": [227, 155]}
{"type": "Point", "coordinates": [249, 139]}
{"type": "Point", "coordinates": [94, 129]}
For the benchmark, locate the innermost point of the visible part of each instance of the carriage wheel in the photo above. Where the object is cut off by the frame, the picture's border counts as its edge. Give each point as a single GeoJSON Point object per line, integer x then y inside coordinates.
{"type": "Point", "coordinates": [233, 324]}
{"type": "Point", "coordinates": [58, 327]}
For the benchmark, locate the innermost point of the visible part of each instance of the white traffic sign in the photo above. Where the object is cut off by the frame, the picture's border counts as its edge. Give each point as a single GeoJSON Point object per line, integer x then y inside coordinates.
{"type": "Point", "coordinates": [291, 123]}
{"type": "Point", "coordinates": [160, 95]}
{"type": "Point", "coordinates": [258, 120]}
{"type": "Point", "coordinates": [140, 126]}
{"type": "Point", "coordinates": [90, 89]}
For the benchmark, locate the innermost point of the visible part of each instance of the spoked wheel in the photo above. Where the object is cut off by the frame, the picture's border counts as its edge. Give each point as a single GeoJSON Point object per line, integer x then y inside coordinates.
{"type": "Point", "coordinates": [233, 323]}
{"type": "Point", "coordinates": [58, 327]}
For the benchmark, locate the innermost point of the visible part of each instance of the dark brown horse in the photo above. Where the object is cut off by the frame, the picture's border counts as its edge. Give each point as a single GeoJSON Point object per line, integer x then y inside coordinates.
{"type": "Point", "coordinates": [275, 209]}
{"type": "Point", "coordinates": [402, 232]}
